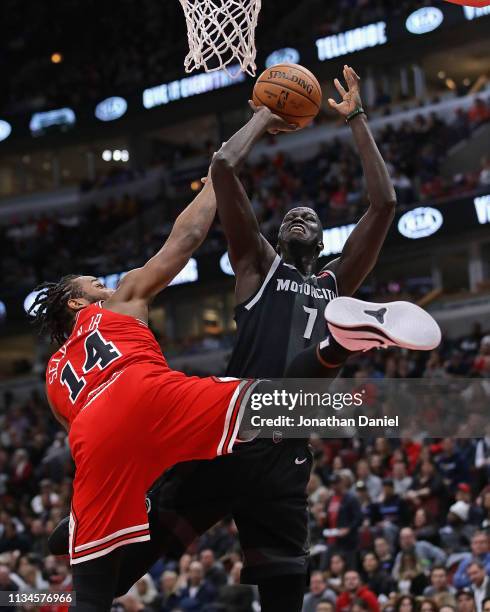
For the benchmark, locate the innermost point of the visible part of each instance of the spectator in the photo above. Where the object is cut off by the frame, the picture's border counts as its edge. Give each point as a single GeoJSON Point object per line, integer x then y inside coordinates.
{"type": "Point", "coordinates": [46, 499]}
{"type": "Point", "coordinates": [384, 554]}
{"type": "Point", "coordinates": [214, 572]}
{"type": "Point", "coordinates": [409, 574]}
{"type": "Point", "coordinates": [7, 583]}
{"type": "Point", "coordinates": [391, 507]}
{"type": "Point", "coordinates": [344, 516]}
{"type": "Point", "coordinates": [425, 527]}
{"type": "Point", "coordinates": [485, 520]}
{"type": "Point", "coordinates": [427, 488]}
{"type": "Point", "coordinates": [401, 480]}
{"type": "Point", "coordinates": [359, 605]}
{"type": "Point", "coordinates": [428, 605]}
{"type": "Point", "coordinates": [335, 573]}
{"type": "Point", "coordinates": [198, 591]}
{"type": "Point", "coordinates": [353, 589]}
{"type": "Point", "coordinates": [463, 493]}
{"type": "Point", "coordinates": [425, 553]}
{"type": "Point", "coordinates": [438, 582]}
{"type": "Point", "coordinates": [482, 458]}
{"type": "Point", "coordinates": [406, 603]}
{"type": "Point", "coordinates": [169, 596]}
{"type": "Point", "coordinates": [375, 578]}
{"type": "Point", "coordinates": [451, 464]}
{"type": "Point", "coordinates": [319, 592]}
{"type": "Point", "coordinates": [480, 583]}
{"type": "Point", "coordinates": [456, 534]}
{"type": "Point", "coordinates": [465, 600]}
{"type": "Point", "coordinates": [373, 483]}
{"type": "Point", "coordinates": [144, 591]}
{"type": "Point", "coordinates": [479, 552]}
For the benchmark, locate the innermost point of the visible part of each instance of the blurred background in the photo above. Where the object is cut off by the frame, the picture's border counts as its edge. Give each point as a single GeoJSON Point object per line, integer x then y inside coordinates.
{"type": "Point", "coordinates": [104, 139]}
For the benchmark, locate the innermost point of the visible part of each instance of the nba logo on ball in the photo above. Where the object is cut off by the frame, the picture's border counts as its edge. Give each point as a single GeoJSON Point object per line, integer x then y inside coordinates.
{"type": "Point", "coordinates": [283, 96]}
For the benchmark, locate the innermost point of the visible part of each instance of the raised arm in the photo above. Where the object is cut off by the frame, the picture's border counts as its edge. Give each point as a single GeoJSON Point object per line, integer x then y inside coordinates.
{"type": "Point", "coordinates": [190, 229]}
{"type": "Point", "coordinates": [362, 248]}
{"type": "Point", "coordinates": [250, 254]}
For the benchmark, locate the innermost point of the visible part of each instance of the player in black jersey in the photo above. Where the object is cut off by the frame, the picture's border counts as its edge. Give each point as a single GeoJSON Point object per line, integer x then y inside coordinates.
{"type": "Point", "coordinates": [281, 328]}
{"type": "Point", "coordinates": [280, 313]}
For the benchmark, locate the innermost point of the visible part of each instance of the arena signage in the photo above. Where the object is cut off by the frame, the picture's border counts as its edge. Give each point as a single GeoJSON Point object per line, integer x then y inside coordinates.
{"type": "Point", "coordinates": [225, 265]}
{"type": "Point", "coordinates": [61, 117]}
{"type": "Point", "coordinates": [472, 12]}
{"type": "Point", "coordinates": [335, 238]}
{"type": "Point", "coordinates": [111, 108]}
{"type": "Point", "coordinates": [371, 35]}
{"type": "Point", "coordinates": [189, 274]}
{"type": "Point", "coordinates": [420, 222]}
{"type": "Point", "coordinates": [424, 20]}
{"type": "Point", "coordinates": [190, 86]}
{"type": "Point", "coordinates": [482, 208]}
{"type": "Point", "coordinates": [5, 130]}
{"type": "Point", "coordinates": [29, 300]}
{"type": "Point", "coordinates": [288, 55]}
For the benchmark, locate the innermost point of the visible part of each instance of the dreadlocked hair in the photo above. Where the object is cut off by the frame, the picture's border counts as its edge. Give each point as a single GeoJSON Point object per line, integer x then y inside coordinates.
{"type": "Point", "coordinates": [50, 310]}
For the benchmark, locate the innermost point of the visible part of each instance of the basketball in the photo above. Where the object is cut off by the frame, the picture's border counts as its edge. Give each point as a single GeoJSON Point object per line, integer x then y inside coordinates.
{"type": "Point", "coordinates": [290, 91]}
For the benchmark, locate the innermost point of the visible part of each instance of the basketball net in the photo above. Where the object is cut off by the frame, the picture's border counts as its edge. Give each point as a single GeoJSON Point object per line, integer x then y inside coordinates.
{"type": "Point", "coordinates": [221, 33]}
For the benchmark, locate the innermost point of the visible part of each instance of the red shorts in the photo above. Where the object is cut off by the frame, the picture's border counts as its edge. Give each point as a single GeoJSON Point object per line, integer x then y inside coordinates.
{"type": "Point", "coordinates": [140, 423]}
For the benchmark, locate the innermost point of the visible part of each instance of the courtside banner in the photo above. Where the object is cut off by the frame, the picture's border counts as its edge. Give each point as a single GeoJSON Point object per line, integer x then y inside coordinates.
{"type": "Point", "coordinates": [369, 408]}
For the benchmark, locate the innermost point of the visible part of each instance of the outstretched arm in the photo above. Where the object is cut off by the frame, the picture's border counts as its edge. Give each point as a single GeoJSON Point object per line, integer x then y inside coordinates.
{"type": "Point", "coordinates": [250, 254]}
{"type": "Point", "coordinates": [362, 248]}
{"type": "Point", "coordinates": [190, 229]}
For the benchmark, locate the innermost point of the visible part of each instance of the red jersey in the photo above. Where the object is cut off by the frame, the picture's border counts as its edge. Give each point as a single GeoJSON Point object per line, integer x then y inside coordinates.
{"type": "Point", "coordinates": [131, 418]}
{"type": "Point", "coordinates": [100, 346]}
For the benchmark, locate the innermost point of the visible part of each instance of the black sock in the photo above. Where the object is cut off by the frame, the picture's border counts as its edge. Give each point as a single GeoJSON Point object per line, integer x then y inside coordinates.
{"type": "Point", "coordinates": [282, 593]}
{"type": "Point", "coordinates": [323, 360]}
{"type": "Point", "coordinates": [332, 353]}
{"type": "Point", "coordinates": [94, 582]}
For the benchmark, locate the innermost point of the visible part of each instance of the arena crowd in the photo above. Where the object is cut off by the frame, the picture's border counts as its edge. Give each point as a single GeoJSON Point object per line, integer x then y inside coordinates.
{"type": "Point", "coordinates": [396, 525]}
{"type": "Point", "coordinates": [330, 182]}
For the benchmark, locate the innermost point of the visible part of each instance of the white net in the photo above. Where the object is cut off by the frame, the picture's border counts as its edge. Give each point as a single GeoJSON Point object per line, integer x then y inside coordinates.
{"type": "Point", "coordinates": [220, 34]}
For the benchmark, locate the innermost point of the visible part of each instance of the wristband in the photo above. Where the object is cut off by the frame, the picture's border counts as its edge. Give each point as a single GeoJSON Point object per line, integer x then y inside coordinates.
{"type": "Point", "coordinates": [358, 111]}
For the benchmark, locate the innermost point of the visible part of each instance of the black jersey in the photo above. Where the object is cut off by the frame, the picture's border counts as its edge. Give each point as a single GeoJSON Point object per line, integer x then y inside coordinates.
{"type": "Point", "coordinates": [285, 316]}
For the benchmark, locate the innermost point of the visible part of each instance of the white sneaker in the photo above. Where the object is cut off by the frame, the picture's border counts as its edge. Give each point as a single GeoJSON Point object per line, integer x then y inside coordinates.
{"type": "Point", "coordinates": [361, 326]}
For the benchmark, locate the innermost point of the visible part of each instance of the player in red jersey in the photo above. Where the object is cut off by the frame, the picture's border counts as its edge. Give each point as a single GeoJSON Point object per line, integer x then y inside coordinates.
{"type": "Point", "coordinates": [129, 416]}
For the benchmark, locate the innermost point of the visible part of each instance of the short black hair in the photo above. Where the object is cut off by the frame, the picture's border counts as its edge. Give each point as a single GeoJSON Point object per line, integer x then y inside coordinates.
{"type": "Point", "coordinates": [50, 311]}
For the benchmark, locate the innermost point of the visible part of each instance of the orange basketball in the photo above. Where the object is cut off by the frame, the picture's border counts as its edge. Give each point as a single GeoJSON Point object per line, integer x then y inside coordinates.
{"type": "Point", "coordinates": [290, 91]}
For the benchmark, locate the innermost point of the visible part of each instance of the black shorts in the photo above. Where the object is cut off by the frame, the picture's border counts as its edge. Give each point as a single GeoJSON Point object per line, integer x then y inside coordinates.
{"type": "Point", "coordinates": [262, 485]}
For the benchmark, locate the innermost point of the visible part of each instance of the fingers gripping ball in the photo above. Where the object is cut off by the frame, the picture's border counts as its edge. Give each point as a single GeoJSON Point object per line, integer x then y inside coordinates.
{"type": "Point", "coordinates": [290, 91]}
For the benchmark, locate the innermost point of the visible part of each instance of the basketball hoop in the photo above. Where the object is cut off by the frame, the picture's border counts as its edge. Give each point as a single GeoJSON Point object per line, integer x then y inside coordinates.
{"type": "Point", "coordinates": [221, 32]}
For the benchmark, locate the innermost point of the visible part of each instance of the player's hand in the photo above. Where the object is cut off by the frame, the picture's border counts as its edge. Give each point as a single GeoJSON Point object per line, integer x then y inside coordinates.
{"type": "Point", "coordinates": [274, 123]}
{"type": "Point", "coordinates": [351, 99]}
